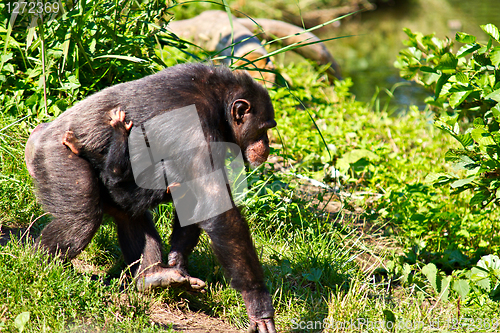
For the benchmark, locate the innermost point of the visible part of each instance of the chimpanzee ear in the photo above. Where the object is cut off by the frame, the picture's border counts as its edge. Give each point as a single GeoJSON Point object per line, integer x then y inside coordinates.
{"type": "Point", "coordinates": [240, 108]}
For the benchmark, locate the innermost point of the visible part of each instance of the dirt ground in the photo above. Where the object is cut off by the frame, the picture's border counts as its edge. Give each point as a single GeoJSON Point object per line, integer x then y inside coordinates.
{"type": "Point", "coordinates": [190, 322]}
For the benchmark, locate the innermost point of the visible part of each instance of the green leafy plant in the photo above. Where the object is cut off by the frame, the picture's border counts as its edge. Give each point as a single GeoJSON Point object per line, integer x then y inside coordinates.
{"type": "Point", "coordinates": [466, 86]}
{"type": "Point", "coordinates": [472, 285]}
{"type": "Point", "coordinates": [486, 276]}
{"type": "Point", "coordinates": [91, 45]}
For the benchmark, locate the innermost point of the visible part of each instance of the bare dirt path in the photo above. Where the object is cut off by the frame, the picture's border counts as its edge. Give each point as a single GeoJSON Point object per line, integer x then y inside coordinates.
{"type": "Point", "coordinates": [190, 322]}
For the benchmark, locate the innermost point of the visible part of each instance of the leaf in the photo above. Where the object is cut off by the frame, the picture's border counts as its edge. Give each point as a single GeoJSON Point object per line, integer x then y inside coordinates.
{"type": "Point", "coordinates": [462, 78]}
{"type": "Point", "coordinates": [389, 318]}
{"type": "Point", "coordinates": [406, 272]}
{"type": "Point", "coordinates": [72, 83]}
{"type": "Point", "coordinates": [463, 162]}
{"type": "Point", "coordinates": [461, 287]}
{"type": "Point", "coordinates": [427, 69]}
{"type": "Point", "coordinates": [481, 279]}
{"type": "Point", "coordinates": [451, 156]}
{"type": "Point", "coordinates": [495, 56]}
{"type": "Point", "coordinates": [482, 137]}
{"type": "Point", "coordinates": [462, 182]}
{"type": "Point", "coordinates": [409, 33]}
{"type": "Point", "coordinates": [6, 57]}
{"type": "Point", "coordinates": [465, 139]}
{"type": "Point", "coordinates": [465, 38]}
{"type": "Point", "coordinates": [430, 272]}
{"type": "Point", "coordinates": [443, 79]}
{"type": "Point", "coordinates": [467, 49]}
{"type": "Point", "coordinates": [449, 120]}
{"type": "Point", "coordinates": [92, 45]}
{"type": "Point", "coordinates": [447, 61]}
{"type": "Point", "coordinates": [495, 95]}
{"type": "Point", "coordinates": [495, 293]}
{"type": "Point", "coordinates": [21, 320]}
{"type": "Point", "coordinates": [480, 273]}
{"type": "Point", "coordinates": [458, 97]}
{"type": "Point", "coordinates": [412, 53]}
{"type": "Point", "coordinates": [479, 198]}
{"type": "Point", "coordinates": [490, 262]}
{"type": "Point", "coordinates": [445, 288]}
{"type": "Point", "coordinates": [478, 123]}
{"type": "Point", "coordinates": [314, 276]}
{"type": "Point", "coordinates": [129, 58]}
{"type": "Point", "coordinates": [436, 178]}
{"type": "Point", "coordinates": [456, 257]}
{"type": "Point", "coordinates": [483, 81]}
{"type": "Point", "coordinates": [491, 30]}
{"type": "Point", "coordinates": [354, 156]}
{"type": "Point", "coordinates": [457, 87]}
{"type": "Point", "coordinates": [496, 112]}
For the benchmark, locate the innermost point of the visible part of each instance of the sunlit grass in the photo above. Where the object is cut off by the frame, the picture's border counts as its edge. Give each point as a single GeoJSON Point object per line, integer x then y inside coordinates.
{"type": "Point", "coordinates": [357, 257]}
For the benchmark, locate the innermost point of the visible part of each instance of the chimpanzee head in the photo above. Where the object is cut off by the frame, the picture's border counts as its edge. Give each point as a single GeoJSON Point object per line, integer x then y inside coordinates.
{"type": "Point", "coordinates": [252, 114]}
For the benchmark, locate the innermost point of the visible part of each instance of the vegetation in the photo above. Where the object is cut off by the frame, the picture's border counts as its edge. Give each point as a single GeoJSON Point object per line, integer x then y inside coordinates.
{"type": "Point", "coordinates": [466, 87]}
{"type": "Point", "coordinates": [347, 226]}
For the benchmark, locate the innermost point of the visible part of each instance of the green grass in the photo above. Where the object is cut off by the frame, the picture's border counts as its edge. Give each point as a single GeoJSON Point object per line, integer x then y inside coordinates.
{"type": "Point", "coordinates": [57, 298]}
{"type": "Point", "coordinates": [353, 248]}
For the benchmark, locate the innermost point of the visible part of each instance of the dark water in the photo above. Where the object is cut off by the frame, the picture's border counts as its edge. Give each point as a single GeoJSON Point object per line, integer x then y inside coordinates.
{"type": "Point", "coordinates": [368, 57]}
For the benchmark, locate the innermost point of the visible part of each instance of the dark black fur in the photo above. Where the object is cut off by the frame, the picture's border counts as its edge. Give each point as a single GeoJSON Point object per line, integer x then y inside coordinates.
{"type": "Point", "coordinates": [78, 189]}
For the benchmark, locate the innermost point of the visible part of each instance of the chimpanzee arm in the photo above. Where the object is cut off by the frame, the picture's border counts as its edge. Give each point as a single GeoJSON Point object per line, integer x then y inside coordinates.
{"type": "Point", "coordinates": [234, 249]}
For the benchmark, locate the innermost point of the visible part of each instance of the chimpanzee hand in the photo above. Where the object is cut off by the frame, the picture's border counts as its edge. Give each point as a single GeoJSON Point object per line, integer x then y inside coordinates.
{"type": "Point", "coordinates": [262, 326]}
{"type": "Point", "coordinates": [260, 311]}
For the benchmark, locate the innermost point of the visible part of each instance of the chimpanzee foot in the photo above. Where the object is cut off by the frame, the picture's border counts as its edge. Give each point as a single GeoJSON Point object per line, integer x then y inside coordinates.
{"type": "Point", "coordinates": [118, 120]}
{"type": "Point", "coordinates": [168, 277]}
{"type": "Point", "coordinates": [173, 185]}
{"type": "Point", "coordinates": [70, 141]}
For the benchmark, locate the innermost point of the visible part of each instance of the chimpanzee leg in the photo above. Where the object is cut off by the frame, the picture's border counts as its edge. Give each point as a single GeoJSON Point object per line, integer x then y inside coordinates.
{"type": "Point", "coordinates": [117, 163]}
{"type": "Point", "coordinates": [141, 243]}
{"type": "Point", "coordinates": [67, 188]}
{"type": "Point", "coordinates": [182, 242]}
{"type": "Point", "coordinates": [234, 249]}
{"type": "Point", "coordinates": [70, 141]}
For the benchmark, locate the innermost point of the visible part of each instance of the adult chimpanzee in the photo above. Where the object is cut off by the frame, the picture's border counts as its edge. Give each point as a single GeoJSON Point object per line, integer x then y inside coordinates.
{"type": "Point", "coordinates": [82, 170]}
